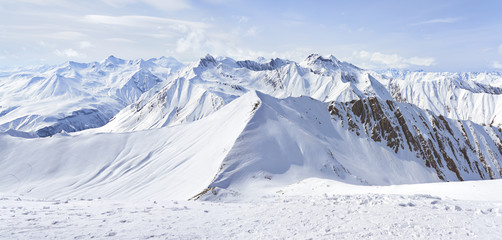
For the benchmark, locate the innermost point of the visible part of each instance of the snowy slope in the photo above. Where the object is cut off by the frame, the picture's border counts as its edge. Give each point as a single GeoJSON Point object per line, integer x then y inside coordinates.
{"type": "Point", "coordinates": [228, 127]}
{"type": "Point", "coordinates": [297, 139]}
{"type": "Point", "coordinates": [463, 96]}
{"type": "Point", "coordinates": [88, 95]}
{"type": "Point", "coordinates": [314, 208]}
{"type": "Point", "coordinates": [187, 156]}
{"type": "Point", "coordinates": [172, 163]}
{"type": "Point", "coordinates": [366, 141]}
{"type": "Point", "coordinates": [206, 85]}
{"type": "Point", "coordinates": [217, 151]}
{"type": "Point", "coordinates": [456, 149]}
{"type": "Point", "coordinates": [75, 96]}
{"type": "Point", "coordinates": [254, 142]}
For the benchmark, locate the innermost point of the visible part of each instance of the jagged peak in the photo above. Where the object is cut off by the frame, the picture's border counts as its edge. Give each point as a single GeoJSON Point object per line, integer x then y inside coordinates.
{"type": "Point", "coordinates": [261, 60]}
{"type": "Point", "coordinates": [113, 60]}
{"type": "Point", "coordinates": [317, 59]}
{"type": "Point", "coordinates": [207, 61]}
{"type": "Point", "coordinates": [208, 57]}
{"type": "Point", "coordinates": [263, 65]}
{"type": "Point", "coordinates": [333, 58]}
{"type": "Point", "coordinates": [317, 62]}
{"type": "Point", "coordinates": [313, 56]}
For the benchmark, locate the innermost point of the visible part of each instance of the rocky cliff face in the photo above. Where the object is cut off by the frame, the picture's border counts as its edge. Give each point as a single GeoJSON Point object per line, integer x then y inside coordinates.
{"type": "Point", "coordinates": [455, 149]}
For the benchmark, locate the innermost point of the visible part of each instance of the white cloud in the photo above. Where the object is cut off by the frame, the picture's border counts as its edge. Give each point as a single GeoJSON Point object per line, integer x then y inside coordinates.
{"type": "Point", "coordinates": [84, 44]}
{"type": "Point", "coordinates": [497, 64]}
{"type": "Point", "coordinates": [46, 3]}
{"type": "Point", "coordinates": [421, 61]}
{"type": "Point", "coordinates": [193, 41]}
{"type": "Point", "coordinates": [140, 21]}
{"type": "Point", "coordinates": [123, 40]}
{"type": "Point", "coordinates": [67, 53]}
{"type": "Point", "coordinates": [165, 5]}
{"type": "Point", "coordinates": [42, 43]}
{"type": "Point", "coordinates": [119, 3]}
{"type": "Point", "coordinates": [439, 20]}
{"type": "Point", "coordinates": [68, 35]}
{"type": "Point", "coordinates": [243, 19]}
{"type": "Point", "coordinates": [378, 59]}
{"type": "Point", "coordinates": [216, 1]}
{"type": "Point", "coordinates": [252, 31]}
{"type": "Point", "coordinates": [168, 5]}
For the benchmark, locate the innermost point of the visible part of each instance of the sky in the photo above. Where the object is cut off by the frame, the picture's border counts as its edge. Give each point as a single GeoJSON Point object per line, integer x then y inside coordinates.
{"type": "Point", "coordinates": [459, 35]}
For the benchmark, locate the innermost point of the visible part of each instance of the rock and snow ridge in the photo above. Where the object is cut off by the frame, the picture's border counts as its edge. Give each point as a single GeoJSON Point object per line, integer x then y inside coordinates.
{"type": "Point", "coordinates": [247, 143]}
{"type": "Point", "coordinates": [224, 126]}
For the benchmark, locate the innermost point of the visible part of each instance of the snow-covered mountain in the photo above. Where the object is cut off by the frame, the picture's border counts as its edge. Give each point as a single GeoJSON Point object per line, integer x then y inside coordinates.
{"type": "Point", "coordinates": [208, 84]}
{"type": "Point", "coordinates": [75, 96]}
{"type": "Point", "coordinates": [256, 140]}
{"type": "Point", "coordinates": [221, 126]}
{"type": "Point", "coordinates": [465, 96]}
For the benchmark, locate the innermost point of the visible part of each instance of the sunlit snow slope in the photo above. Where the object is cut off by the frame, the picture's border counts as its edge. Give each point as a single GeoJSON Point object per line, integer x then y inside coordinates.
{"type": "Point", "coordinates": [221, 126]}
{"type": "Point", "coordinates": [75, 96]}
{"type": "Point", "coordinates": [176, 162]}
{"type": "Point", "coordinates": [464, 96]}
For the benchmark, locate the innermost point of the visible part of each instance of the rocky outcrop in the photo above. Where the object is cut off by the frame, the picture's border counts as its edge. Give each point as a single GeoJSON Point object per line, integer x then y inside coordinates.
{"type": "Point", "coordinates": [455, 149]}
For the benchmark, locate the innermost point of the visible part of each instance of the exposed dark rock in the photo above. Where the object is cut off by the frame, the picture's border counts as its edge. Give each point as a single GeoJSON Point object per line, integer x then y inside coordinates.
{"type": "Point", "coordinates": [443, 144]}
{"type": "Point", "coordinates": [74, 122]}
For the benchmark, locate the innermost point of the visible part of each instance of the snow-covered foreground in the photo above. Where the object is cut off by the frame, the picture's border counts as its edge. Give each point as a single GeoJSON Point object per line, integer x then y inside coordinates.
{"type": "Point", "coordinates": [265, 149]}
{"type": "Point", "coordinates": [313, 208]}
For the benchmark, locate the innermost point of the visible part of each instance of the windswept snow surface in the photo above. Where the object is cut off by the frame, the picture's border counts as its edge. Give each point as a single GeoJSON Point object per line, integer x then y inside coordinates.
{"type": "Point", "coordinates": [313, 208]}
{"type": "Point", "coordinates": [173, 163]}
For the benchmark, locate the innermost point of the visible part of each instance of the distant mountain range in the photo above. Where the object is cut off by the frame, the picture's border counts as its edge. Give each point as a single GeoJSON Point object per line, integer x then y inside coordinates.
{"type": "Point", "coordinates": [136, 128]}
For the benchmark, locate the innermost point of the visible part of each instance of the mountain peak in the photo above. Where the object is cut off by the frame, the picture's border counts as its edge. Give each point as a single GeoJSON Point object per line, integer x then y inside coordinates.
{"type": "Point", "coordinates": [207, 61]}
{"type": "Point", "coordinates": [114, 60]}
{"type": "Point", "coordinates": [263, 65]}
{"type": "Point", "coordinates": [320, 63]}
{"type": "Point", "coordinates": [77, 64]}
{"type": "Point", "coordinates": [208, 57]}
{"type": "Point", "coordinates": [317, 58]}
{"type": "Point", "coordinates": [333, 58]}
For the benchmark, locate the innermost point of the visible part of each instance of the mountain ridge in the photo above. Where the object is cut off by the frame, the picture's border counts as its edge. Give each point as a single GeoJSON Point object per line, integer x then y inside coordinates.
{"type": "Point", "coordinates": [221, 126]}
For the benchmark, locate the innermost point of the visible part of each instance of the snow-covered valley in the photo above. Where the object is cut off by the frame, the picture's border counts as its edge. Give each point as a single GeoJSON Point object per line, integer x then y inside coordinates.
{"type": "Point", "coordinates": [223, 149]}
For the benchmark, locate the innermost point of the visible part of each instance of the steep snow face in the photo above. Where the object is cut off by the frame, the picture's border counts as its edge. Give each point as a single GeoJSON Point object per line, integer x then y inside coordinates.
{"type": "Point", "coordinates": [366, 141]}
{"type": "Point", "coordinates": [169, 163]}
{"type": "Point", "coordinates": [256, 141]}
{"type": "Point", "coordinates": [208, 84]}
{"type": "Point", "coordinates": [75, 96]}
{"type": "Point", "coordinates": [207, 131]}
{"type": "Point", "coordinates": [179, 102]}
{"type": "Point", "coordinates": [463, 96]}
{"type": "Point", "coordinates": [295, 138]}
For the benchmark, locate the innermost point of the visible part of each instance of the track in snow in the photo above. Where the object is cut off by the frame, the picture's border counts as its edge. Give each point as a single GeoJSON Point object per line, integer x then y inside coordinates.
{"type": "Point", "coordinates": [288, 213]}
